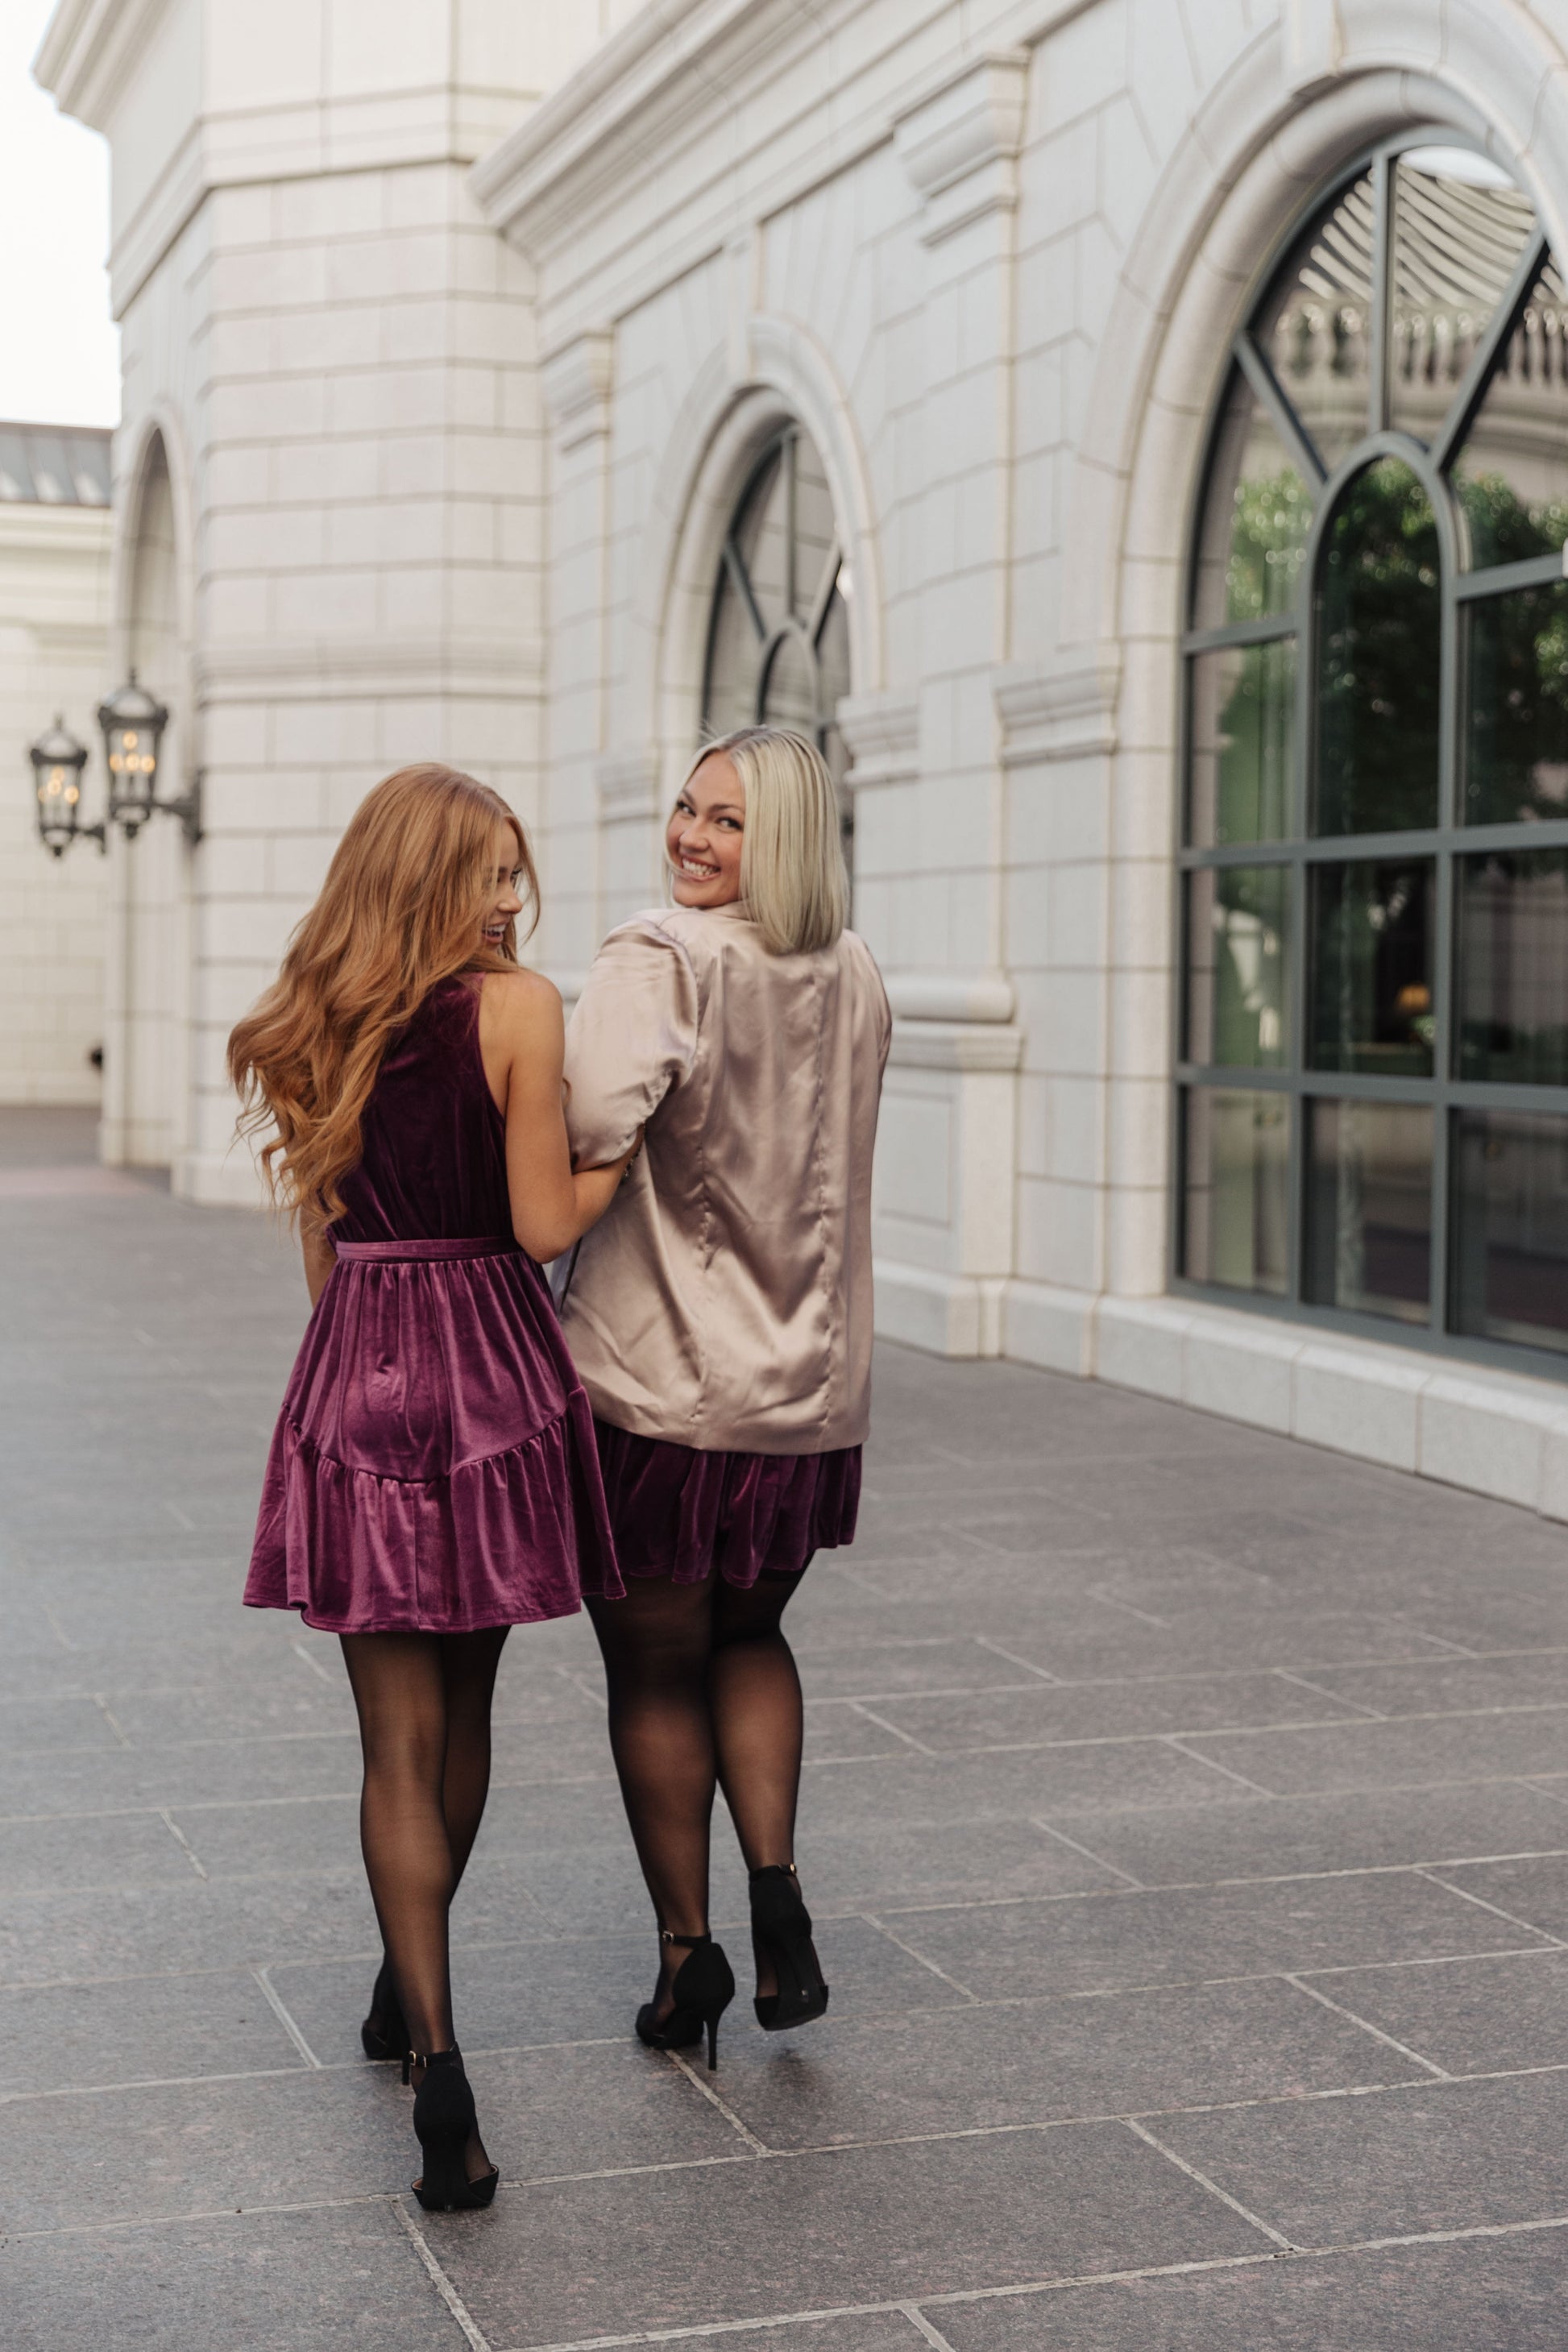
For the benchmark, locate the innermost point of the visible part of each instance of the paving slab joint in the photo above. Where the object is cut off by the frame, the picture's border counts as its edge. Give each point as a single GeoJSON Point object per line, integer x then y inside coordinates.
{"type": "Point", "coordinates": [438, 2279]}
{"type": "Point", "coordinates": [1213, 2187]}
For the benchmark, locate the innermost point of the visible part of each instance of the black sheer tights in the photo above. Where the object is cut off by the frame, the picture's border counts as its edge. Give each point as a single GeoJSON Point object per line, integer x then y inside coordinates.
{"type": "Point", "coordinates": [424, 1703]}
{"type": "Point", "coordinates": [703, 1692]}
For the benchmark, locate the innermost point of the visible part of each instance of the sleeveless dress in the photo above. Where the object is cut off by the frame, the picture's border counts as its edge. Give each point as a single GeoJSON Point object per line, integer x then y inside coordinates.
{"type": "Point", "coordinates": [433, 1467]}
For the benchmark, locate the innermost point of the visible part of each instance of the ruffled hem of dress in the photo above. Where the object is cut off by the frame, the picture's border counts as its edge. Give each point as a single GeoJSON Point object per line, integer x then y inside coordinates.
{"type": "Point", "coordinates": [515, 1539]}
{"type": "Point", "coordinates": [684, 1513]}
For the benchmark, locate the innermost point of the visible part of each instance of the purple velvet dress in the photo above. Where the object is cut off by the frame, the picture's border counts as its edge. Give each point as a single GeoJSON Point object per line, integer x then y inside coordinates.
{"type": "Point", "coordinates": [683, 1514]}
{"type": "Point", "coordinates": [433, 1467]}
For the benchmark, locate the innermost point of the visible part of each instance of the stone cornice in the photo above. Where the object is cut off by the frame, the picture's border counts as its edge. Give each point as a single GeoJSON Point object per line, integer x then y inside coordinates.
{"type": "Point", "coordinates": [964, 997]}
{"type": "Point", "coordinates": [683, 64]}
{"type": "Point", "coordinates": [88, 50]}
{"type": "Point", "coordinates": [883, 734]}
{"type": "Point", "coordinates": [1061, 709]}
{"type": "Point", "coordinates": [969, 1045]}
{"type": "Point", "coordinates": [960, 145]}
{"type": "Point", "coordinates": [271, 669]}
{"type": "Point", "coordinates": [665, 65]}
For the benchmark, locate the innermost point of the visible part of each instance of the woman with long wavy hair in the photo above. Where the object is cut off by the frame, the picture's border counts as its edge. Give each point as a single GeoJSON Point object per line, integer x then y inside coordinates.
{"type": "Point", "coordinates": [433, 1479]}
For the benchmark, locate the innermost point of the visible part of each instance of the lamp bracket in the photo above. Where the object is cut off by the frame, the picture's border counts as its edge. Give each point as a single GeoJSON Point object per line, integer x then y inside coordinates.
{"type": "Point", "coordinates": [187, 808]}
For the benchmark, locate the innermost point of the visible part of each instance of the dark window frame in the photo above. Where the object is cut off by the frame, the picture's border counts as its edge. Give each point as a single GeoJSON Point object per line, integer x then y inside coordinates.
{"type": "Point", "coordinates": [806, 632]}
{"type": "Point", "coordinates": [1300, 851]}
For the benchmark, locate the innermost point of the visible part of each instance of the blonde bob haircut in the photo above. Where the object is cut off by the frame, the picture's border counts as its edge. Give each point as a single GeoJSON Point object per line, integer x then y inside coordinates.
{"type": "Point", "coordinates": [792, 854]}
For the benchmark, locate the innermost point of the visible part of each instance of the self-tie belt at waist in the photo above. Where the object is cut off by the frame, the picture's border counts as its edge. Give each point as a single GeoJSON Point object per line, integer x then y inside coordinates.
{"type": "Point", "coordinates": [424, 1253]}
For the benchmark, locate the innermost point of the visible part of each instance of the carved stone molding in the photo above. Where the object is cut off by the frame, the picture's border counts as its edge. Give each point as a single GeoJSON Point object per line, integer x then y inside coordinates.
{"type": "Point", "coordinates": [960, 144]}
{"type": "Point", "coordinates": [283, 669]}
{"type": "Point", "coordinates": [882, 732]}
{"type": "Point", "coordinates": [969, 1045]}
{"type": "Point", "coordinates": [577, 381]}
{"type": "Point", "coordinates": [1063, 709]}
{"type": "Point", "coordinates": [961, 996]}
{"type": "Point", "coordinates": [628, 785]}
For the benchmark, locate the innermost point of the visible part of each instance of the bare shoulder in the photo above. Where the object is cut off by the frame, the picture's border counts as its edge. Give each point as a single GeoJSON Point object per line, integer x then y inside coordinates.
{"type": "Point", "coordinates": [521, 1005]}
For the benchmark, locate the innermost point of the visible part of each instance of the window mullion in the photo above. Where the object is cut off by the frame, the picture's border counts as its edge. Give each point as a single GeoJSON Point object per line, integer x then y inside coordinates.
{"type": "Point", "coordinates": [1276, 401]}
{"type": "Point", "coordinates": [1500, 579]}
{"type": "Point", "coordinates": [1445, 982]}
{"type": "Point", "coordinates": [1444, 973]}
{"type": "Point", "coordinates": [1477, 375]}
{"type": "Point", "coordinates": [1302, 742]}
{"type": "Point", "coordinates": [1379, 324]}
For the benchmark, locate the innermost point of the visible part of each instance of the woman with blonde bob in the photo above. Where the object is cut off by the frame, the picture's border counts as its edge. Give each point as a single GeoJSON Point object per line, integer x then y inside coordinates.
{"type": "Point", "coordinates": [721, 1318]}
{"type": "Point", "coordinates": [433, 1479]}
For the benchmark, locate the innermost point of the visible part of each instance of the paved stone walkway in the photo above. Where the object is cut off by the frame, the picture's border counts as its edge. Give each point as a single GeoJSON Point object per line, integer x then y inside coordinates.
{"type": "Point", "coordinates": [1186, 1812]}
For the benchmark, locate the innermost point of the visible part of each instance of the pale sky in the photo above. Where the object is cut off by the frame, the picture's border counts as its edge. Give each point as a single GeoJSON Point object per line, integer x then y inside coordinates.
{"type": "Point", "coordinates": [60, 352]}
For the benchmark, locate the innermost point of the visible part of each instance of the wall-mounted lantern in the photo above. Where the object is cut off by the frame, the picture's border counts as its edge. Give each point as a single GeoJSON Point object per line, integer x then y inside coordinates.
{"type": "Point", "coordinates": [132, 722]}
{"type": "Point", "coordinates": [57, 763]}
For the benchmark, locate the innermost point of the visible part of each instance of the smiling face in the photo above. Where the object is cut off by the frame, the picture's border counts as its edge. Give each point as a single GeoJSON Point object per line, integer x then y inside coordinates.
{"type": "Point", "coordinates": [502, 904]}
{"type": "Point", "coordinates": [705, 833]}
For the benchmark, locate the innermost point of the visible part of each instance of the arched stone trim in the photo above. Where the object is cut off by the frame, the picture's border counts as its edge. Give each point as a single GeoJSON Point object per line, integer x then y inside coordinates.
{"type": "Point", "coordinates": [1240, 176]}
{"type": "Point", "coordinates": [1234, 186]}
{"type": "Point", "coordinates": [149, 996]}
{"type": "Point", "coordinates": [160, 425]}
{"type": "Point", "coordinates": [722, 423]}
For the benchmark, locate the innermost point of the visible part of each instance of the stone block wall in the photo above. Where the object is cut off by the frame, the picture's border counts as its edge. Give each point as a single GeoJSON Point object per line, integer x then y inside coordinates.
{"type": "Point", "coordinates": [54, 658]}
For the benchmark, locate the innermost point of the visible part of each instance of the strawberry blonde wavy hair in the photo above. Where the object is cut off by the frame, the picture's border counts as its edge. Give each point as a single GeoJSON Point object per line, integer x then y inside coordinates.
{"type": "Point", "coordinates": [400, 911]}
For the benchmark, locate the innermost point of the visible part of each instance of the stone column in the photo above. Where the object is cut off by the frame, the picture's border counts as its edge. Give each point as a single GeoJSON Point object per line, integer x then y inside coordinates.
{"type": "Point", "coordinates": [929, 788]}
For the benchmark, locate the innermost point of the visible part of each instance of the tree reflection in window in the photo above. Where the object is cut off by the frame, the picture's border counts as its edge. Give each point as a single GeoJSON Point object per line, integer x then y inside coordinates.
{"type": "Point", "coordinates": [1379, 621]}
{"type": "Point", "coordinates": [1377, 668]}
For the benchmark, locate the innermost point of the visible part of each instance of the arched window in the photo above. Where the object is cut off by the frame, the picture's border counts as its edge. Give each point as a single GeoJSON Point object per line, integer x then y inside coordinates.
{"type": "Point", "coordinates": [778, 641]}
{"type": "Point", "coordinates": [1373, 1064]}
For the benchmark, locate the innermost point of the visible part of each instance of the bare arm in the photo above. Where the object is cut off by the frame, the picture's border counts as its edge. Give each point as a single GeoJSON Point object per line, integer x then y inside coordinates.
{"type": "Point", "coordinates": [319, 1259]}
{"type": "Point", "coordinates": [523, 1037]}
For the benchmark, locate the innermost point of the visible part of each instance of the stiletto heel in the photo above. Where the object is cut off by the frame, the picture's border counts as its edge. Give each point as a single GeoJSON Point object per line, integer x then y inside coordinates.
{"type": "Point", "coordinates": [703, 1988]}
{"type": "Point", "coordinates": [444, 2120]}
{"type": "Point", "coordinates": [781, 1926]}
{"type": "Point", "coordinates": [390, 2039]}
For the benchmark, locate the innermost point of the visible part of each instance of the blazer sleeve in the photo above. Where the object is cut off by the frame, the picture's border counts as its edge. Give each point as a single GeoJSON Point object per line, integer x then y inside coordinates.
{"type": "Point", "coordinates": [631, 1037]}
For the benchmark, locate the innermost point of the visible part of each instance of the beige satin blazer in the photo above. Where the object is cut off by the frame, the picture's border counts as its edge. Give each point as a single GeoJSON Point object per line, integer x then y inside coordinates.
{"type": "Point", "coordinates": [724, 1300]}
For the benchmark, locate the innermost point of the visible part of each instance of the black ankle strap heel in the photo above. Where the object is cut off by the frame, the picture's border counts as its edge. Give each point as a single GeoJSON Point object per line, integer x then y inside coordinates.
{"type": "Point", "coordinates": [781, 1927]}
{"type": "Point", "coordinates": [383, 2034]}
{"type": "Point", "coordinates": [703, 1988]}
{"type": "Point", "coordinates": [443, 2120]}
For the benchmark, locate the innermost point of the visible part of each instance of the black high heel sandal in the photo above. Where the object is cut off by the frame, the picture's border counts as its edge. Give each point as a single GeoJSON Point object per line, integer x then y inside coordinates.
{"type": "Point", "coordinates": [703, 1988]}
{"type": "Point", "coordinates": [390, 2039]}
{"type": "Point", "coordinates": [443, 2119]}
{"type": "Point", "coordinates": [781, 1926]}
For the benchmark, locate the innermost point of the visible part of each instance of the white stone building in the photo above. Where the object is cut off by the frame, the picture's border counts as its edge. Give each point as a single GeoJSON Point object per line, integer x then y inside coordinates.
{"type": "Point", "coordinates": [54, 549]}
{"type": "Point", "coordinates": [525, 384]}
